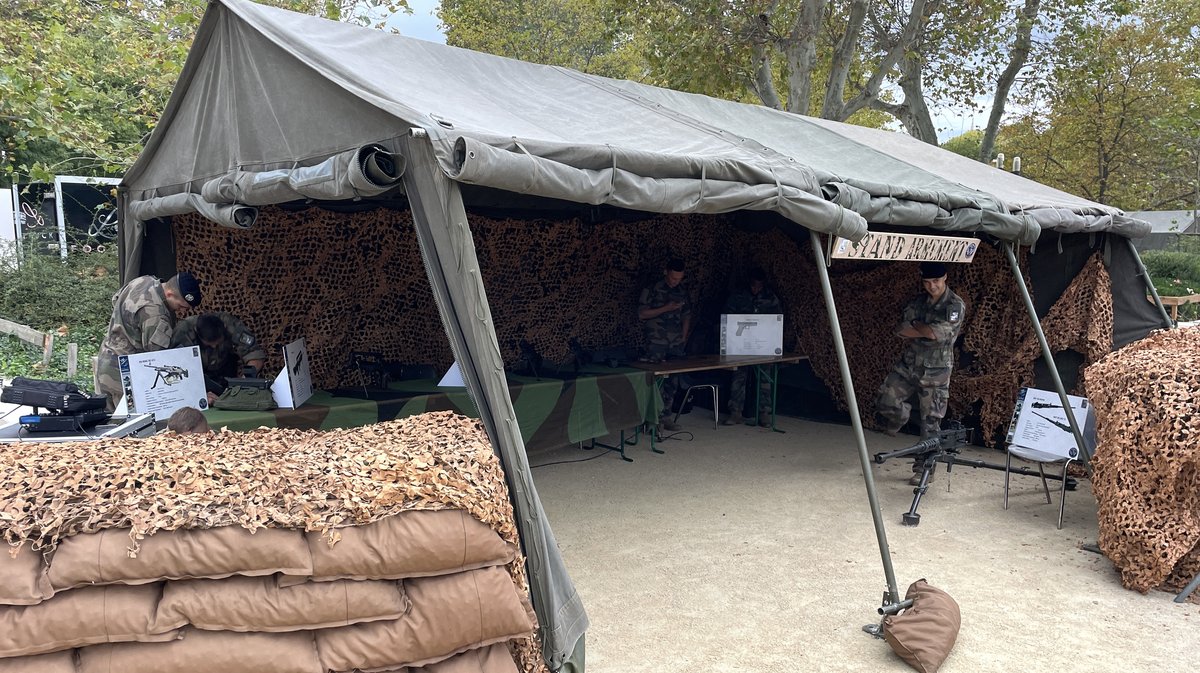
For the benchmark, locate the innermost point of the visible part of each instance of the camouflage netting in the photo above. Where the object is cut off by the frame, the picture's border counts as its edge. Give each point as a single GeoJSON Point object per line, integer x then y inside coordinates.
{"type": "Point", "coordinates": [1147, 465]}
{"type": "Point", "coordinates": [360, 285]}
{"type": "Point", "coordinates": [268, 478]}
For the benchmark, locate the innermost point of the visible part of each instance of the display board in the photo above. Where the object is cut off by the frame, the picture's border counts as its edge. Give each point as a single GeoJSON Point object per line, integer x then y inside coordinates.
{"type": "Point", "coordinates": [162, 382]}
{"type": "Point", "coordinates": [752, 334]}
{"type": "Point", "coordinates": [1040, 423]}
{"type": "Point", "coordinates": [294, 385]}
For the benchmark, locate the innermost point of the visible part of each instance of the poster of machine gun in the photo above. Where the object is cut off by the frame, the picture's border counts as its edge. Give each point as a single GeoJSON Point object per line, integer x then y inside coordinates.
{"type": "Point", "coordinates": [161, 382]}
{"type": "Point", "coordinates": [1040, 423]}
{"type": "Point", "coordinates": [751, 334]}
{"type": "Point", "coordinates": [293, 386]}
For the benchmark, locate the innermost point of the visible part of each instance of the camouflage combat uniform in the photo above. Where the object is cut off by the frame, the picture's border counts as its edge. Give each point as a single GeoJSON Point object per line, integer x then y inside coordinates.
{"type": "Point", "coordinates": [765, 302]}
{"type": "Point", "coordinates": [924, 368]}
{"type": "Point", "coordinates": [230, 357]}
{"type": "Point", "coordinates": [141, 322]}
{"type": "Point", "coordinates": [664, 334]}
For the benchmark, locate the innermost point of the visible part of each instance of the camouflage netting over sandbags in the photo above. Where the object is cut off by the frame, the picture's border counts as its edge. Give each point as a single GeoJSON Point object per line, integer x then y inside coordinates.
{"type": "Point", "coordinates": [355, 281]}
{"type": "Point", "coordinates": [276, 549]}
{"type": "Point", "coordinates": [1147, 465]}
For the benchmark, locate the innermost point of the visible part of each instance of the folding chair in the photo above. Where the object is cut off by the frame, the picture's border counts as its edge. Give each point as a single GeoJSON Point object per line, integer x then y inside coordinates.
{"type": "Point", "coordinates": [687, 396]}
{"type": "Point", "coordinates": [1042, 458]}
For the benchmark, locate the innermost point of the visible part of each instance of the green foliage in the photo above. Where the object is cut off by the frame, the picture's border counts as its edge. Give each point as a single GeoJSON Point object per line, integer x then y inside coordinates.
{"type": "Point", "coordinates": [966, 144]}
{"type": "Point", "coordinates": [1174, 273]}
{"type": "Point", "coordinates": [82, 82]}
{"type": "Point", "coordinates": [71, 300]}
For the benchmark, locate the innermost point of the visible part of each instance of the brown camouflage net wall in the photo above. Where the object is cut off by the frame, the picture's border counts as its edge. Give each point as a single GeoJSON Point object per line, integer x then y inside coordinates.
{"type": "Point", "coordinates": [356, 282]}
{"type": "Point", "coordinates": [1147, 466]}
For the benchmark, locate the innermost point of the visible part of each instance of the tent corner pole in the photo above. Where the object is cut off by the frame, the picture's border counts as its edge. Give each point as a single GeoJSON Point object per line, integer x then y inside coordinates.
{"type": "Point", "coordinates": [1150, 284]}
{"type": "Point", "coordinates": [1047, 355]}
{"type": "Point", "coordinates": [835, 328]}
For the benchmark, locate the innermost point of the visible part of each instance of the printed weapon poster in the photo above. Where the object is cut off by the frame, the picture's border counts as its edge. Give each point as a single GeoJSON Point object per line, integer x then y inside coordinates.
{"type": "Point", "coordinates": [751, 334]}
{"type": "Point", "coordinates": [161, 382]}
{"type": "Point", "coordinates": [293, 386]}
{"type": "Point", "coordinates": [1040, 423]}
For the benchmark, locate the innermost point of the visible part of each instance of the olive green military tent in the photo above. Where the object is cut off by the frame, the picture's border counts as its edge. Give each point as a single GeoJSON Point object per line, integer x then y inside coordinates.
{"type": "Point", "coordinates": [275, 107]}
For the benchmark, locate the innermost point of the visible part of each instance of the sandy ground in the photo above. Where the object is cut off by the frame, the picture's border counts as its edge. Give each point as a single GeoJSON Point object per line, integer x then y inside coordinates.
{"type": "Point", "coordinates": [747, 550]}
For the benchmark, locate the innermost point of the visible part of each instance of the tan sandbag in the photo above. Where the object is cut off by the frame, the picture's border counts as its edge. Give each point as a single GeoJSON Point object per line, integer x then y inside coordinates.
{"type": "Point", "coordinates": [103, 558]}
{"type": "Point", "coordinates": [450, 614]}
{"type": "Point", "coordinates": [924, 634]}
{"type": "Point", "coordinates": [59, 662]}
{"type": "Point", "coordinates": [19, 577]}
{"type": "Point", "coordinates": [87, 616]}
{"type": "Point", "coordinates": [491, 659]}
{"type": "Point", "coordinates": [419, 543]}
{"type": "Point", "coordinates": [207, 652]}
{"type": "Point", "coordinates": [258, 604]}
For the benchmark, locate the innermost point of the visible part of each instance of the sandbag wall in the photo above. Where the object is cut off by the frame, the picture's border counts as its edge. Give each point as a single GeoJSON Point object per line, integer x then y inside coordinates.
{"type": "Point", "coordinates": [551, 279]}
{"type": "Point", "coordinates": [385, 548]}
{"type": "Point", "coordinates": [1147, 467]}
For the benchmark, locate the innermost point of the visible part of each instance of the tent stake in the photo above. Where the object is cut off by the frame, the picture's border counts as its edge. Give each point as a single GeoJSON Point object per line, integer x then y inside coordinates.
{"type": "Point", "coordinates": [835, 327]}
{"type": "Point", "coordinates": [1150, 284]}
{"type": "Point", "coordinates": [1048, 356]}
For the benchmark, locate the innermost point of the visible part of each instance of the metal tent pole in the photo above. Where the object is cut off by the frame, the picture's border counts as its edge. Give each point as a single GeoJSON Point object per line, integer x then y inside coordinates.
{"type": "Point", "coordinates": [1150, 284]}
{"type": "Point", "coordinates": [835, 327]}
{"type": "Point", "coordinates": [1047, 355]}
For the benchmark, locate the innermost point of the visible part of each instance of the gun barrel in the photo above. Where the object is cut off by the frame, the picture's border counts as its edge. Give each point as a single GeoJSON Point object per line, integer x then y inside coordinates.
{"type": "Point", "coordinates": [923, 446]}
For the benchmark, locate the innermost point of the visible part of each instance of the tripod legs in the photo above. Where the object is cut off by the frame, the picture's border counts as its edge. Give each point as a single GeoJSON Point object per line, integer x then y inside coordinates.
{"type": "Point", "coordinates": [911, 518]}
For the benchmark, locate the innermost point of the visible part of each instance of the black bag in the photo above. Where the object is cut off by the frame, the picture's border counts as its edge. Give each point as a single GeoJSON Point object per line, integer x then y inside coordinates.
{"type": "Point", "coordinates": [53, 395]}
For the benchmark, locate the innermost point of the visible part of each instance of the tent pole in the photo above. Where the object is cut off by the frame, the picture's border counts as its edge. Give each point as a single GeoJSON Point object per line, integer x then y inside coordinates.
{"type": "Point", "coordinates": [835, 328]}
{"type": "Point", "coordinates": [1047, 355]}
{"type": "Point", "coordinates": [1150, 284]}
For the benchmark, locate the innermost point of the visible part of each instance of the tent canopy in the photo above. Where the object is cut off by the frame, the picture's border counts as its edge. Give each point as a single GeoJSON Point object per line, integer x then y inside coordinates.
{"type": "Point", "coordinates": [267, 90]}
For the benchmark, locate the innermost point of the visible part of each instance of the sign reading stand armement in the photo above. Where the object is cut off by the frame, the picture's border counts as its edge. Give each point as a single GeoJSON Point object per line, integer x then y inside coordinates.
{"type": "Point", "coordinates": [907, 248]}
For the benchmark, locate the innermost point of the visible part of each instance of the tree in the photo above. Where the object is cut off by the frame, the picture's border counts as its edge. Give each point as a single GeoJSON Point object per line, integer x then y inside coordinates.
{"type": "Point", "coordinates": [82, 82]}
{"type": "Point", "coordinates": [1117, 118]}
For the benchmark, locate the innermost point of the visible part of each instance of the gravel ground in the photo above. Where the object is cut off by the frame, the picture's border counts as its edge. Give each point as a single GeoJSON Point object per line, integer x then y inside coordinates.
{"type": "Point", "coordinates": [747, 550]}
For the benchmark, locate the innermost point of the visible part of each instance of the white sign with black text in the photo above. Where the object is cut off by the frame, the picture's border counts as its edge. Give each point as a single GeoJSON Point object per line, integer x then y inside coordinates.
{"type": "Point", "coordinates": [1040, 423]}
{"type": "Point", "coordinates": [162, 382]}
{"type": "Point", "coordinates": [907, 248]}
{"type": "Point", "coordinates": [751, 334]}
{"type": "Point", "coordinates": [293, 386]}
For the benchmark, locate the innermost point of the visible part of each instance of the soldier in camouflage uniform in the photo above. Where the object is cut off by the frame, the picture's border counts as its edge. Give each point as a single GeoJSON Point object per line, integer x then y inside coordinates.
{"type": "Point", "coordinates": [930, 324]}
{"type": "Point", "coordinates": [755, 298]}
{"type": "Point", "coordinates": [666, 313]}
{"type": "Point", "coordinates": [226, 347]}
{"type": "Point", "coordinates": [143, 320]}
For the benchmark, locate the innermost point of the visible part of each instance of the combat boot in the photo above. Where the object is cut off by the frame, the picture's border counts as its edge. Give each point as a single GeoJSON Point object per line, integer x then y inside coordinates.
{"type": "Point", "coordinates": [669, 425]}
{"type": "Point", "coordinates": [734, 418]}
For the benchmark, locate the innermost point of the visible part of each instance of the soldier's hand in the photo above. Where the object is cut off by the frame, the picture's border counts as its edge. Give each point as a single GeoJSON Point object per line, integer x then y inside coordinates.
{"type": "Point", "coordinates": [675, 306]}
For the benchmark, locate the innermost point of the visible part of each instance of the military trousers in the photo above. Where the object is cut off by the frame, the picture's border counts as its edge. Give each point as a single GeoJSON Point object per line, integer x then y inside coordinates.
{"type": "Point", "coordinates": [931, 385]}
{"type": "Point", "coordinates": [108, 378]}
{"type": "Point", "coordinates": [737, 391]}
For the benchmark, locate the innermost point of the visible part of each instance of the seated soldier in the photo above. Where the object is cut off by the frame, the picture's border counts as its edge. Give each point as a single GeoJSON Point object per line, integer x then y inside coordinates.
{"type": "Point", "coordinates": [226, 348]}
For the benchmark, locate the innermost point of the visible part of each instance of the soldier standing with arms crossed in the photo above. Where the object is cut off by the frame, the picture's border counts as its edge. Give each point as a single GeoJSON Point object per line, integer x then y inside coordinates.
{"type": "Point", "coordinates": [930, 324]}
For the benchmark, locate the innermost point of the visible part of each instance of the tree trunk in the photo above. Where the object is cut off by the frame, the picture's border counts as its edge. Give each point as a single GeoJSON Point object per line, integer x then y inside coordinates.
{"type": "Point", "coordinates": [912, 113]}
{"type": "Point", "coordinates": [800, 49]}
{"type": "Point", "coordinates": [909, 37]}
{"type": "Point", "coordinates": [843, 58]}
{"type": "Point", "coordinates": [761, 45]}
{"type": "Point", "coordinates": [1026, 18]}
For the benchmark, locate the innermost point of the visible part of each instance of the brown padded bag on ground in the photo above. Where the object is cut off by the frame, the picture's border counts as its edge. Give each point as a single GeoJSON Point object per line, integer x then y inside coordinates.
{"type": "Point", "coordinates": [19, 577]}
{"type": "Point", "coordinates": [450, 614]}
{"type": "Point", "coordinates": [207, 652]}
{"type": "Point", "coordinates": [103, 558]}
{"type": "Point", "coordinates": [59, 662]}
{"type": "Point", "coordinates": [419, 543]}
{"type": "Point", "coordinates": [491, 659]}
{"type": "Point", "coordinates": [924, 634]}
{"type": "Point", "coordinates": [258, 604]}
{"type": "Point", "coordinates": [113, 614]}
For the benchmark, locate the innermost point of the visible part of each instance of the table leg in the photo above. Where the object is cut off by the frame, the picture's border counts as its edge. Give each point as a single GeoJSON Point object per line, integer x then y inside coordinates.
{"type": "Point", "coordinates": [659, 382]}
{"type": "Point", "coordinates": [620, 448]}
{"type": "Point", "coordinates": [773, 377]}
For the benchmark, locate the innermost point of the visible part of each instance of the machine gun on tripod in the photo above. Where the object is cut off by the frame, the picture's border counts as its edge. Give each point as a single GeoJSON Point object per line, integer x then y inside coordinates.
{"type": "Point", "coordinates": [944, 448]}
{"type": "Point", "coordinates": [168, 374]}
